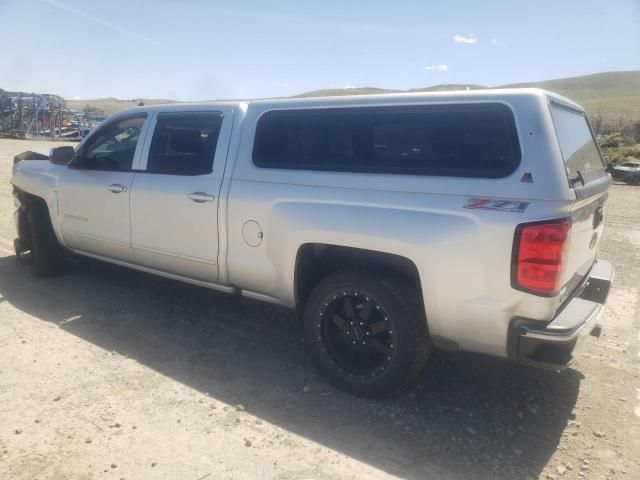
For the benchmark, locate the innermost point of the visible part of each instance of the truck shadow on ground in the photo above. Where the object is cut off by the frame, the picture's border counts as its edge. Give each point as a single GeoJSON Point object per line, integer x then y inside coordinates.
{"type": "Point", "coordinates": [470, 416]}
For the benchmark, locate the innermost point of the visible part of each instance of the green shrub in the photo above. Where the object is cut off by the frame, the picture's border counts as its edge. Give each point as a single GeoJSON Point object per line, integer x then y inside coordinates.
{"type": "Point", "coordinates": [612, 156]}
{"type": "Point", "coordinates": [612, 140]}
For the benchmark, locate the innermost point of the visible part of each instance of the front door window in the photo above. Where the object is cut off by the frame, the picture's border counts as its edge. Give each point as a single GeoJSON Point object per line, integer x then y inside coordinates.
{"type": "Point", "coordinates": [113, 147]}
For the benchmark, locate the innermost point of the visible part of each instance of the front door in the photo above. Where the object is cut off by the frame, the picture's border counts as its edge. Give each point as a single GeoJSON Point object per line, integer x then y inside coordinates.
{"type": "Point", "coordinates": [93, 192]}
{"type": "Point", "coordinates": [174, 199]}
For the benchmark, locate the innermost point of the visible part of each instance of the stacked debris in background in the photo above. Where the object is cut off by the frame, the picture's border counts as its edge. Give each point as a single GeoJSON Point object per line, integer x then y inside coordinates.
{"type": "Point", "coordinates": [31, 115]}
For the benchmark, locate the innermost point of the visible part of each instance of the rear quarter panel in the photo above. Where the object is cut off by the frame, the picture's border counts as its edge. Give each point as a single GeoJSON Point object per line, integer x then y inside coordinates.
{"type": "Point", "coordinates": [463, 256]}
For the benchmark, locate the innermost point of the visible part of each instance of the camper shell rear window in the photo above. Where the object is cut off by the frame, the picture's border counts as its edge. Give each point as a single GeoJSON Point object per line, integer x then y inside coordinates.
{"type": "Point", "coordinates": [578, 146]}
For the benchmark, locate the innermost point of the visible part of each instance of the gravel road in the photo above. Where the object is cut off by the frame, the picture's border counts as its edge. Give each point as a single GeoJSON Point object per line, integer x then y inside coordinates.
{"type": "Point", "coordinates": [110, 373]}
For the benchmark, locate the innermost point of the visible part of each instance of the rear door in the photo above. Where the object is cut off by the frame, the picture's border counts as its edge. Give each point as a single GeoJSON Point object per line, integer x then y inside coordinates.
{"type": "Point", "coordinates": [588, 178]}
{"type": "Point", "coordinates": [174, 197]}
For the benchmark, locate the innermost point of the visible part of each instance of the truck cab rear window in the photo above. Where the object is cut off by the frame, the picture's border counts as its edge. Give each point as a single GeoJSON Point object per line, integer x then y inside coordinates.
{"type": "Point", "coordinates": [475, 140]}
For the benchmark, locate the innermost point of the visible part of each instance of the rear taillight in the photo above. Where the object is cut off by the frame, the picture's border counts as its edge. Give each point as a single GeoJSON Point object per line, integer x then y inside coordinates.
{"type": "Point", "coordinates": [538, 256]}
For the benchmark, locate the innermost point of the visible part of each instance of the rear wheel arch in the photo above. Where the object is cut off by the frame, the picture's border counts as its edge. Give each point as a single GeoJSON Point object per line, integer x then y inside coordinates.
{"type": "Point", "coordinates": [315, 261]}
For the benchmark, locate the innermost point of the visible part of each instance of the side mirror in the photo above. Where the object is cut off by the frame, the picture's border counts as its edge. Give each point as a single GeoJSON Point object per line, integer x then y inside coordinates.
{"type": "Point", "coordinates": [61, 155]}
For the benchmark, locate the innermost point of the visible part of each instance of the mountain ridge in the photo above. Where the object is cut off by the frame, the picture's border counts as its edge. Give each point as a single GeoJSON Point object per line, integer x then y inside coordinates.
{"type": "Point", "coordinates": [614, 97]}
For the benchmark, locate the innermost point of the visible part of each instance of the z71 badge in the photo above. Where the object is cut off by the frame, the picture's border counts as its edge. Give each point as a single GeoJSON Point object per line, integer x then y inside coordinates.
{"type": "Point", "coordinates": [498, 205]}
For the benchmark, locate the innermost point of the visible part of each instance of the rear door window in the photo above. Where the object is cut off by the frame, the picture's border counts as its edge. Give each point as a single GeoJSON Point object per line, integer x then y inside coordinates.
{"type": "Point", "coordinates": [578, 147]}
{"type": "Point", "coordinates": [184, 143]}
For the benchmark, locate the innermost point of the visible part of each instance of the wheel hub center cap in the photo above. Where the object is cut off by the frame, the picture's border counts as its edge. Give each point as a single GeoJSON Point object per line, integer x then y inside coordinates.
{"type": "Point", "coordinates": [358, 333]}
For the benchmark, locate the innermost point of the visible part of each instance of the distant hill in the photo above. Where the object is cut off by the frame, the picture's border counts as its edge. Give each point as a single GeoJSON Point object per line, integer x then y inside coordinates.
{"type": "Point", "coordinates": [591, 87]}
{"type": "Point", "coordinates": [612, 96]}
{"type": "Point", "coordinates": [444, 87]}
{"type": "Point", "coordinates": [615, 96]}
{"type": "Point", "coordinates": [111, 105]}
{"type": "Point", "coordinates": [336, 92]}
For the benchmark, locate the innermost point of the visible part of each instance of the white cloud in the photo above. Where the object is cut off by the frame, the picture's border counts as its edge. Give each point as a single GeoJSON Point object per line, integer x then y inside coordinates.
{"type": "Point", "coordinates": [497, 43]}
{"type": "Point", "coordinates": [103, 22]}
{"type": "Point", "coordinates": [440, 68]}
{"type": "Point", "coordinates": [469, 39]}
{"type": "Point", "coordinates": [76, 98]}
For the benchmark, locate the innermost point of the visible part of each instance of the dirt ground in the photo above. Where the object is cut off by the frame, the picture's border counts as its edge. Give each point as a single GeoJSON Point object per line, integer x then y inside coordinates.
{"type": "Point", "coordinates": [110, 373]}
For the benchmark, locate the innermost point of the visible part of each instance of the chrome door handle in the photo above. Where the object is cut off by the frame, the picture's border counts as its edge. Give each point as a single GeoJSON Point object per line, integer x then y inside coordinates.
{"type": "Point", "coordinates": [116, 188]}
{"type": "Point", "coordinates": [201, 197]}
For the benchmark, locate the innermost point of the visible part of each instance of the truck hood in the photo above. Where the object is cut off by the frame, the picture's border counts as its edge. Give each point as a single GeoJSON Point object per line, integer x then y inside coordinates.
{"type": "Point", "coordinates": [30, 165]}
{"type": "Point", "coordinates": [40, 154]}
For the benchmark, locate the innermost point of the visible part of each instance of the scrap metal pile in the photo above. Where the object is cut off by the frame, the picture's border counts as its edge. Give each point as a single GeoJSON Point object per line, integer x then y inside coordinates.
{"type": "Point", "coordinates": [30, 115]}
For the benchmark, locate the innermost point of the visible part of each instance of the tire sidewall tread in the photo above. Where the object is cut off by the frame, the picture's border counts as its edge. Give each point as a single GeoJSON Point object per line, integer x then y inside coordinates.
{"type": "Point", "coordinates": [46, 253]}
{"type": "Point", "coordinates": [400, 300]}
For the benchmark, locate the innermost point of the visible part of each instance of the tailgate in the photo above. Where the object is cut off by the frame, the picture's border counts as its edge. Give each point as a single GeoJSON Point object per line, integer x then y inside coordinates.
{"type": "Point", "coordinates": [587, 227]}
{"type": "Point", "coordinates": [589, 180]}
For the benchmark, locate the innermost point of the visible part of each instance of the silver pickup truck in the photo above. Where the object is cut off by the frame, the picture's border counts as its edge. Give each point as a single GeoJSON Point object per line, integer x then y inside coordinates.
{"type": "Point", "coordinates": [392, 224]}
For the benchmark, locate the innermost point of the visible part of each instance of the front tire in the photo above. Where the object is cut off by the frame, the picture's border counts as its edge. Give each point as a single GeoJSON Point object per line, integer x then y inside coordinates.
{"type": "Point", "coordinates": [366, 332]}
{"type": "Point", "coordinates": [47, 256]}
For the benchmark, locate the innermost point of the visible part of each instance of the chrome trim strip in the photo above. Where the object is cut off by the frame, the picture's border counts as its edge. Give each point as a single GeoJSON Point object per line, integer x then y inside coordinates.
{"type": "Point", "coordinates": [174, 255]}
{"type": "Point", "coordinates": [211, 285]}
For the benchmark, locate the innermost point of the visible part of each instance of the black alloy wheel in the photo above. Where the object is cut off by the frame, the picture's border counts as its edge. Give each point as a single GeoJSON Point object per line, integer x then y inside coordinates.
{"type": "Point", "coordinates": [366, 331]}
{"type": "Point", "coordinates": [357, 333]}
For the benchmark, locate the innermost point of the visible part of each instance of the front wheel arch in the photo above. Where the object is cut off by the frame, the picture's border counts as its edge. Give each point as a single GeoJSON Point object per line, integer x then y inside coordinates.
{"type": "Point", "coordinates": [47, 255]}
{"type": "Point", "coordinates": [27, 202]}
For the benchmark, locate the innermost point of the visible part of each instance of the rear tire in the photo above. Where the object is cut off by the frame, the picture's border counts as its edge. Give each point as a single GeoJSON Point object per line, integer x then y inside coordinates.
{"type": "Point", "coordinates": [366, 332]}
{"type": "Point", "coordinates": [47, 256]}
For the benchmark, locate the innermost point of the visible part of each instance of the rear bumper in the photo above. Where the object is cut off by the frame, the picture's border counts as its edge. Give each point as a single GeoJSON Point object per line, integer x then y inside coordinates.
{"type": "Point", "coordinates": [551, 345]}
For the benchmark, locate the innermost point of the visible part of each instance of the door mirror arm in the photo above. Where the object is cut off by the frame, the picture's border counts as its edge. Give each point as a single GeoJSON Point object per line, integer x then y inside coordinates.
{"type": "Point", "coordinates": [77, 161]}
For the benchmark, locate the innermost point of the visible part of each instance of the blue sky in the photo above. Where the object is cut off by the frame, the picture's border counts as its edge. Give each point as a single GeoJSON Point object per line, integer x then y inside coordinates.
{"type": "Point", "coordinates": [203, 49]}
